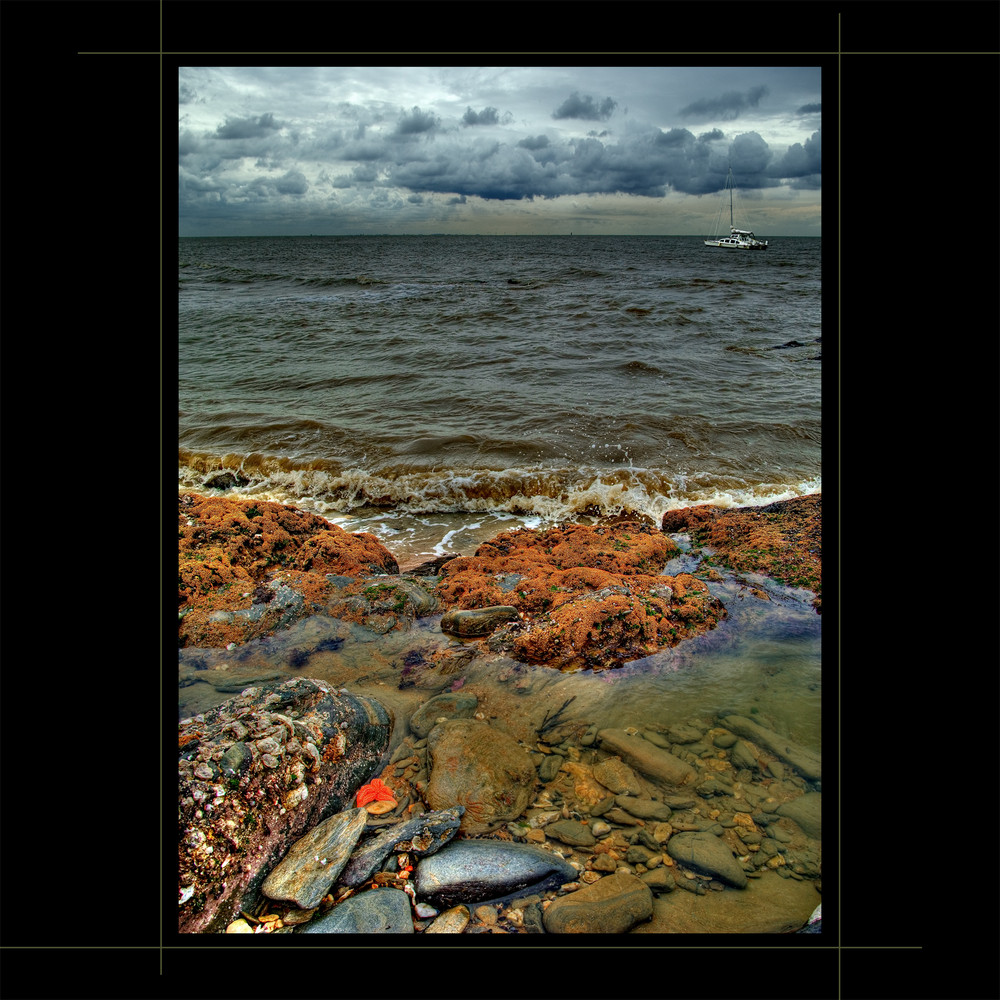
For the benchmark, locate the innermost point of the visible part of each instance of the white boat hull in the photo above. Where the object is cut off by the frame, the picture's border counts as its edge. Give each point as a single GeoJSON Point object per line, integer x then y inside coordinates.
{"type": "Point", "coordinates": [734, 245]}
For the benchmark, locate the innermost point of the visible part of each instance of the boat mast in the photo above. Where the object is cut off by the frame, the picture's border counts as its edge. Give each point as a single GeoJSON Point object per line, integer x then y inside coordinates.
{"type": "Point", "coordinates": [730, 179]}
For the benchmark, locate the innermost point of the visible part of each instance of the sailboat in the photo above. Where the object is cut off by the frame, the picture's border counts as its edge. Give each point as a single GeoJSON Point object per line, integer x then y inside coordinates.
{"type": "Point", "coordinates": [738, 239]}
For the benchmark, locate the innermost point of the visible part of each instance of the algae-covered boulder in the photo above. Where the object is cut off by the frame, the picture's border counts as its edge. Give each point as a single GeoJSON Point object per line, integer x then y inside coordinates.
{"type": "Point", "coordinates": [587, 596]}
{"type": "Point", "coordinates": [247, 567]}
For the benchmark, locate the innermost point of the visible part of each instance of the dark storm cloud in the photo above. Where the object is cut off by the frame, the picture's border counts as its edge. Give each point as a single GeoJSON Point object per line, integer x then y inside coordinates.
{"type": "Point", "coordinates": [727, 107]}
{"type": "Point", "coordinates": [585, 108]}
{"type": "Point", "coordinates": [810, 109]}
{"type": "Point", "coordinates": [802, 163]}
{"type": "Point", "coordinates": [644, 164]}
{"type": "Point", "coordinates": [248, 128]}
{"type": "Point", "coordinates": [294, 182]}
{"type": "Point", "coordinates": [488, 116]}
{"type": "Point", "coordinates": [416, 123]}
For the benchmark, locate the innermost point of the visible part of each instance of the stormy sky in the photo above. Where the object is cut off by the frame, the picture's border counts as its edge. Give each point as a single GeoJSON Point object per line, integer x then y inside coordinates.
{"type": "Point", "coordinates": [511, 150]}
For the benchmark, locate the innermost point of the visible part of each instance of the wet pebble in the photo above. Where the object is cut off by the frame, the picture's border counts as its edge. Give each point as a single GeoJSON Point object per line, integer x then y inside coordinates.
{"type": "Point", "coordinates": [451, 921]}
{"type": "Point", "coordinates": [379, 911]}
{"type": "Point", "coordinates": [707, 854]}
{"type": "Point", "coordinates": [311, 866]}
{"type": "Point", "coordinates": [571, 831]}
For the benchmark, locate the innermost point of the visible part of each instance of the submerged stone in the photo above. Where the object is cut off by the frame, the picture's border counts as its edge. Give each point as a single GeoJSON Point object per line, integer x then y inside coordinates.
{"type": "Point", "coordinates": [806, 810]}
{"type": "Point", "coordinates": [474, 871]}
{"type": "Point", "coordinates": [646, 757]}
{"type": "Point", "coordinates": [481, 768]}
{"type": "Point", "coordinates": [612, 905]}
{"type": "Point", "coordinates": [478, 621]}
{"type": "Point", "coordinates": [708, 855]}
{"type": "Point", "coordinates": [452, 705]}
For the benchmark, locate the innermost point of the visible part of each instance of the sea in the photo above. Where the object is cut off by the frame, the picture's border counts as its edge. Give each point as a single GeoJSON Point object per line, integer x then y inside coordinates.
{"type": "Point", "coordinates": [434, 390]}
{"type": "Point", "coordinates": [437, 390]}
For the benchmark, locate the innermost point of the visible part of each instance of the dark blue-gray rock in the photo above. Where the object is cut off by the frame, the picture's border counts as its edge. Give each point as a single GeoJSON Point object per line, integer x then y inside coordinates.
{"type": "Point", "coordinates": [804, 761]}
{"type": "Point", "coordinates": [311, 866]}
{"type": "Point", "coordinates": [806, 810]}
{"type": "Point", "coordinates": [612, 905]}
{"type": "Point", "coordinates": [311, 746]}
{"type": "Point", "coordinates": [708, 855]}
{"type": "Point", "coordinates": [475, 871]}
{"type": "Point", "coordinates": [478, 621]}
{"type": "Point", "coordinates": [378, 911]}
{"type": "Point", "coordinates": [419, 836]}
{"type": "Point", "coordinates": [451, 705]}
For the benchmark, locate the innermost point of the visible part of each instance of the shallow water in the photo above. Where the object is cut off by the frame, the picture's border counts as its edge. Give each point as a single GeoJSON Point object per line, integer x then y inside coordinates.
{"type": "Point", "coordinates": [763, 662]}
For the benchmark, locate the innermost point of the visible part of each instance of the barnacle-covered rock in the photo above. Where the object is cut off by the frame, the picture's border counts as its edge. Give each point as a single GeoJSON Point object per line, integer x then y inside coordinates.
{"type": "Point", "coordinates": [304, 750]}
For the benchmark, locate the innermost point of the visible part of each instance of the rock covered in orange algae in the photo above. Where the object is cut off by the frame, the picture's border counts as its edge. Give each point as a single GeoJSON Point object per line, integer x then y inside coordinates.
{"type": "Point", "coordinates": [229, 550]}
{"type": "Point", "coordinates": [782, 540]}
{"type": "Point", "coordinates": [590, 596]}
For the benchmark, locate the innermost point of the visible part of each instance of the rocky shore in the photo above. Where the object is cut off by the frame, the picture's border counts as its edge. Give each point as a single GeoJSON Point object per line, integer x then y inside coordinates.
{"type": "Point", "coordinates": [309, 808]}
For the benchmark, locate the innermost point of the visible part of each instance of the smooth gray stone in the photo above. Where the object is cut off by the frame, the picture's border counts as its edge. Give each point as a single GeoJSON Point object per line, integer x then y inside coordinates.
{"type": "Point", "coordinates": [478, 621]}
{"type": "Point", "coordinates": [423, 835]}
{"type": "Point", "coordinates": [706, 854]}
{"type": "Point", "coordinates": [302, 879]}
{"type": "Point", "coordinates": [806, 811]}
{"type": "Point", "coordinates": [474, 871]}
{"type": "Point", "coordinates": [378, 911]}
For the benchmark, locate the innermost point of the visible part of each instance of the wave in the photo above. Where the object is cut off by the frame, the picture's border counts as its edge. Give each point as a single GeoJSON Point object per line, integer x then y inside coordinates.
{"type": "Point", "coordinates": [549, 494]}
